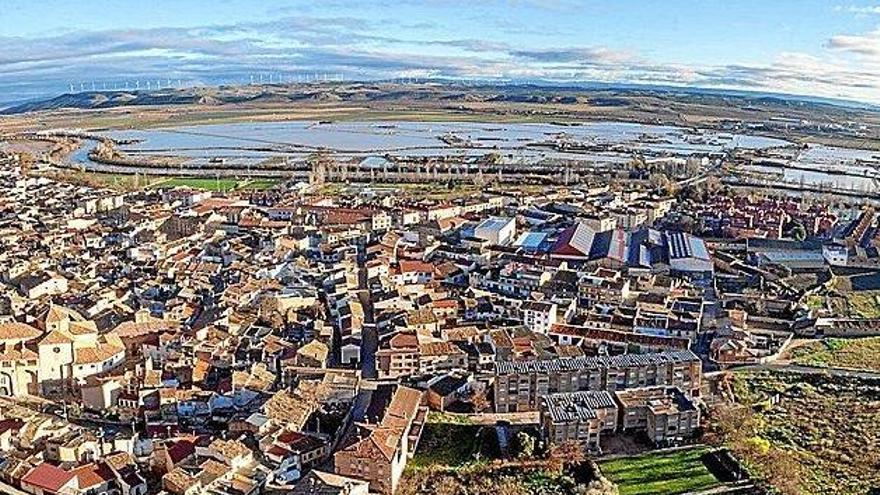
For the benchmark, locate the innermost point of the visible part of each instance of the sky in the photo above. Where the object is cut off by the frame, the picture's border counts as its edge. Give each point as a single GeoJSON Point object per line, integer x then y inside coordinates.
{"type": "Point", "coordinates": [811, 47]}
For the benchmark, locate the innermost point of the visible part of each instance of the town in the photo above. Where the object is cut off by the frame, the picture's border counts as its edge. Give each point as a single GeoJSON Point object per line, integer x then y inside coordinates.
{"type": "Point", "coordinates": [325, 336]}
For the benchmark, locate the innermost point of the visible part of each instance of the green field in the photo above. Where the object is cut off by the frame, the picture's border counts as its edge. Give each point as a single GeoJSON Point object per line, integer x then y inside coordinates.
{"type": "Point", "coordinates": [120, 182]}
{"type": "Point", "coordinates": [198, 183]}
{"type": "Point", "coordinates": [216, 184]}
{"type": "Point", "coordinates": [136, 182]}
{"type": "Point", "coordinates": [666, 473]}
{"type": "Point", "coordinates": [862, 353]}
{"type": "Point", "coordinates": [259, 184]}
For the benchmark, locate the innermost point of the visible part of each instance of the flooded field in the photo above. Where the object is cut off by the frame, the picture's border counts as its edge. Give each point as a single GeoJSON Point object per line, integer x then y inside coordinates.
{"type": "Point", "coordinates": [604, 144]}
{"type": "Point", "coordinates": [609, 142]}
{"type": "Point", "coordinates": [840, 168]}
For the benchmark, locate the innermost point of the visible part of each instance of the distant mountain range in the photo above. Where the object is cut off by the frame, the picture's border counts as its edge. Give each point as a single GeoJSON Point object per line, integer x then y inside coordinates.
{"type": "Point", "coordinates": [540, 92]}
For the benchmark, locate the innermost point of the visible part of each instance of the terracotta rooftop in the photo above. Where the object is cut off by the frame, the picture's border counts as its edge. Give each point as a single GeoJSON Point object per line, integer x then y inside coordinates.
{"type": "Point", "coordinates": [48, 477]}
{"type": "Point", "coordinates": [16, 330]}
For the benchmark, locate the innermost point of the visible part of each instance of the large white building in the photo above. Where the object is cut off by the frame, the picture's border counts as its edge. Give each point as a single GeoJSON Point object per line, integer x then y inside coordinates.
{"type": "Point", "coordinates": [688, 254]}
{"type": "Point", "coordinates": [18, 364]}
{"type": "Point", "coordinates": [539, 316]}
{"type": "Point", "coordinates": [496, 230]}
{"type": "Point", "coordinates": [68, 351]}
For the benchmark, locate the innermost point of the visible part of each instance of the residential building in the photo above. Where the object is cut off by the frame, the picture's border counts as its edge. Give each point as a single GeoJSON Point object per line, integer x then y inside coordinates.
{"type": "Point", "coordinates": [519, 385]}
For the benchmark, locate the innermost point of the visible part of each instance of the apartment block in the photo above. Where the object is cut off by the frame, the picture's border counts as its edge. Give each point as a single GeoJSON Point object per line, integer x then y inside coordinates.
{"type": "Point", "coordinates": [666, 414]}
{"type": "Point", "coordinates": [519, 385]}
{"type": "Point", "coordinates": [578, 417]}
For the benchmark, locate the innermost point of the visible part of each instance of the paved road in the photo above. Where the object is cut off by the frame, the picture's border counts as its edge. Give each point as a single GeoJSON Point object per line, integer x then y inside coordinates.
{"type": "Point", "coordinates": [369, 333]}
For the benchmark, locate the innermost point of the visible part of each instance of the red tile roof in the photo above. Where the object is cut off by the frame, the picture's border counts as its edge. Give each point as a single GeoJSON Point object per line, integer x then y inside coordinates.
{"type": "Point", "coordinates": [407, 266]}
{"type": "Point", "coordinates": [404, 340]}
{"type": "Point", "coordinates": [47, 477]}
{"type": "Point", "coordinates": [90, 475]}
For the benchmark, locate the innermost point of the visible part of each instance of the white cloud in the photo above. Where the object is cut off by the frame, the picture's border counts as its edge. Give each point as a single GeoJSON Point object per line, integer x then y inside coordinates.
{"type": "Point", "coordinates": [867, 44]}
{"type": "Point", "coordinates": [848, 66]}
{"type": "Point", "coordinates": [870, 10]}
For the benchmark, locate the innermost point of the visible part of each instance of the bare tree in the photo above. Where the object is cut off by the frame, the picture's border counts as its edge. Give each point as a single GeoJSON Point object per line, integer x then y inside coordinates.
{"type": "Point", "coordinates": [479, 401]}
{"type": "Point", "coordinates": [564, 453]}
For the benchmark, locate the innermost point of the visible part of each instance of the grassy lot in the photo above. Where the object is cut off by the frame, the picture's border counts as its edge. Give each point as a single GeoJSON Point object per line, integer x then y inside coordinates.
{"type": "Point", "coordinates": [665, 473]}
{"type": "Point", "coordinates": [821, 436]}
{"type": "Point", "coordinates": [455, 456]}
{"type": "Point", "coordinates": [488, 480]}
{"type": "Point", "coordinates": [199, 183]}
{"type": "Point", "coordinates": [130, 182]}
{"type": "Point", "coordinates": [448, 441]}
{"type": "Point", "coordinates": [215, 184]}
{"type": "Point", "coordinates": [815, 302]}
{"type": "Point", "coordinates": [861, 353]}
{"type": "Point", "coordinates": [119, 182]}
{"type": "Point", "coordinates": [444, 417]}
{"type": "Point", "coordinates": [865, 304]}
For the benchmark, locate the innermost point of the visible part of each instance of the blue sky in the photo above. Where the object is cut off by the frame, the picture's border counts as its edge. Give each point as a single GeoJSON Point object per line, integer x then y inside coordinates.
{"type": "Point", "coordinates": [815, 47]}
